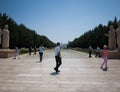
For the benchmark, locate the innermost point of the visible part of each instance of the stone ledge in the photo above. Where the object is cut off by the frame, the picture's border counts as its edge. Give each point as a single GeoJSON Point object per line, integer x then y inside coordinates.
{"type": "Point", "coordinates": [113, 55]}
{"type": "Point", "coordinates": [6, 53]}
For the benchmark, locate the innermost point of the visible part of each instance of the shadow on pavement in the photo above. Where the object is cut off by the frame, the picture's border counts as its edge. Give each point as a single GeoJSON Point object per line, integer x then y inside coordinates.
{"type": "Point", "coordinates": [54, 73]}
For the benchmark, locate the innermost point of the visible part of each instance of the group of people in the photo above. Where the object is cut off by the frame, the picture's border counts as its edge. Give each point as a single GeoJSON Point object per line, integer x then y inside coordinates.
{"type": "Point", "coordinates": [112, 42]}
{"type": "Point", "coordinates": [113, 37]}
{"type": "Point", "coordinates": [40, 49]}
{"type": "Point", "coordinates": [57, 56]}
{"type": "Point", "coordinates": [98, 54]}
{"type": "Point", "coordinates": [4, 43]}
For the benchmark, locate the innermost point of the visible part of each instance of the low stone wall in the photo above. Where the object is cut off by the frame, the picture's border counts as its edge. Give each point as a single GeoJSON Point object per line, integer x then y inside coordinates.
{"type": "Point", "coordinates": [113, 55]}
{"type": "Point", "coordinates": [6, 53]}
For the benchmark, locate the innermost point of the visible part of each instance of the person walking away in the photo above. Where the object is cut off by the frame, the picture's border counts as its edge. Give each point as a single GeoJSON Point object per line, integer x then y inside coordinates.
{"type": "Point", "coordinates": [35, 50]}
{"type": "Point", "coordinates": [41, 49]}
{"type": "Point", "coordinates": [57, 58]}
{"type": "Point", "coordinates": [30, 50]}
{"type": "Point", "coordinates": [90, 51]}
{"type": "Point", "coordinates": [16, 53]}
{"type": "Point", "coordinates": [97, 52]}
{"type": "Point", "coordinates": [105, 58]}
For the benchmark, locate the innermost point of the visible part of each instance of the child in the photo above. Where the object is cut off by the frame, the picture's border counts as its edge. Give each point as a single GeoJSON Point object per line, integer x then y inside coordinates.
{"type": "Point", "coordinates": [105, 57]}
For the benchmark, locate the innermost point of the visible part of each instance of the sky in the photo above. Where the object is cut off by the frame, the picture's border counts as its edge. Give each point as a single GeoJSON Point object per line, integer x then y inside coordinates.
{"type": "Point", "coordinates": [61, 20]}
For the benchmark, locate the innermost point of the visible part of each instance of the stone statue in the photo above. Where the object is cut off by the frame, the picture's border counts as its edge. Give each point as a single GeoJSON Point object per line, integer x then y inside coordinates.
{"type": "Point", "coordinates": [118, 35]}
{"type": "Point", "coordinates": [0, 36]}
{"type": "Point", "coordinates": [111, 38]}
{"type": "Point", "coordinates": [5, 42]}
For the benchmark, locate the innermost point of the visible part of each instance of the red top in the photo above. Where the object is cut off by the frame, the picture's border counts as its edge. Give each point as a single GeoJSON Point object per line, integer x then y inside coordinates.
{"type": "Point", "coordinates": [105, 53]}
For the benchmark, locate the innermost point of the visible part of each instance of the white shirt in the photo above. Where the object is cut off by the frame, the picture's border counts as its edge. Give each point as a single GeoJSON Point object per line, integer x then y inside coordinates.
{"type": "Point", "coordinates": [57, 50]}
{"type": "Point", "coordinates": [41, 49]}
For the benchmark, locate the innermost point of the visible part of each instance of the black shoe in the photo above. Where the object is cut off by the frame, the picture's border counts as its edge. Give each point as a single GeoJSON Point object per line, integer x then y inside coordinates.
{"type": "Point", "coordinates": [56, 70]}
{"type": "Point", "coordinates": [105, 69]}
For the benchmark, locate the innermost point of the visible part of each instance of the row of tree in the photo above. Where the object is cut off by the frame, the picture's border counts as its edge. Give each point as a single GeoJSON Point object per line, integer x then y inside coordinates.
{"type": "Point", "coordinates": [22, 36]}
{"type": "Point", "coordinates": [95, 37]}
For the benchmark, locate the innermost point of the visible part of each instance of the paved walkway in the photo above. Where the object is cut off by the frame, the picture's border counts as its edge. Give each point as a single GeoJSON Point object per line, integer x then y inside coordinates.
{"type": "Point", "coordinates": [78, 74]}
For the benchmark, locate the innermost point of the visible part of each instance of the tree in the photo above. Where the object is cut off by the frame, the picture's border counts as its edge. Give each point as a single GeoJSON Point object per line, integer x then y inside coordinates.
{"type": "Point", "coordinates": [95, 37]}
{"type": "Point", "coordinates": [22, 36]}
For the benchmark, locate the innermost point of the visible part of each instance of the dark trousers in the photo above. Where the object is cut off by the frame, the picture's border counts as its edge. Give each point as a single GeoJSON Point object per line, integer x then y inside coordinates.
{"type": "Point", "coordinates": [30, 52]}
{"type": "Point", "coordinates": [58, 62]}
{"type": "Point", "coordinates": [97, 54]}
{"type": "Point", "coordinates": [90, 52]}
{"type": "Point", "coordinates": [41, 55]}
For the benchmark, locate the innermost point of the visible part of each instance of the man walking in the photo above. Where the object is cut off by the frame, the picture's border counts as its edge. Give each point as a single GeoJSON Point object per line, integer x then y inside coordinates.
{"type": "Point", "coordinates": [90, 51]}
{"type": "Point", "coordinates": [57, 57]}
{"type": "Point", "coordinates": [41, 49]}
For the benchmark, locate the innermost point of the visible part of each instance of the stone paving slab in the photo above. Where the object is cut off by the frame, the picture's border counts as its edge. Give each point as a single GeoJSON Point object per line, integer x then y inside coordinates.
{"type": "Point", "coordinates": [78, 74]}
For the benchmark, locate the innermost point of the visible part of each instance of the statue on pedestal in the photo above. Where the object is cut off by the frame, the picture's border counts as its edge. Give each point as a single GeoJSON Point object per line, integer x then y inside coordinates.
{"type": "Point", "coordinates": [5, 52]}
{"type": "Point", "coordinates": [118, 35]}
{"type": "Point", "coordinates": [5, 40]}
{"type": "Point", "coordinates": [111, 38]}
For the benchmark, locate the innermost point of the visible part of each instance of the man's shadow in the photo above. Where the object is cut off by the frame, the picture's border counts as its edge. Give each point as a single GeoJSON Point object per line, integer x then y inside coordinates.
{"type": "Point", "coordinates": [54, 73]}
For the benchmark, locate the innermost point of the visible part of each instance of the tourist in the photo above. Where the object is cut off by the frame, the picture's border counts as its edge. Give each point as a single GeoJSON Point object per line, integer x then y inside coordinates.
{"type": "Point", "coordinates": [41, 49]}
{"type": "Point", "coordinates": [30, 50]}
{"type": "Point", "coordinates": [105, 57]}
{"type": "Point", "coordinates": [57, 57]}
{"type": "Point", "coordinates": [35, 50]}
{"type": "Point", "coordinates": [90, 51]}
{"type": "Point", "coordinates": [16, 53]}
{"type": "Point", "coordinates": [97, 52]}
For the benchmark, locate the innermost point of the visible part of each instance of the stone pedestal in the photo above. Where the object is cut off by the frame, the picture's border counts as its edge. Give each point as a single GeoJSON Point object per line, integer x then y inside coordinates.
{"type": "Point", "coordinates": [113, 54]}
{"type": "Point", "coordinates": [6, 53]}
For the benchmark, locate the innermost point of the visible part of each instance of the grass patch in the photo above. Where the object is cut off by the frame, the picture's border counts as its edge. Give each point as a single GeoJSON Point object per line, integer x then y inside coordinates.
{"type": "Point", "coordinates": [23, 50]}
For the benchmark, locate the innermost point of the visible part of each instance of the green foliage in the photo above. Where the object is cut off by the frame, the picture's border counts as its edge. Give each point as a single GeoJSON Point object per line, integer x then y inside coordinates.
{"type": "Point", "coordinates": [23, 50]}
{"type": "Point", "coordinates": [95, 37]}
{"type": "Point", "coordinates": [22, 36]}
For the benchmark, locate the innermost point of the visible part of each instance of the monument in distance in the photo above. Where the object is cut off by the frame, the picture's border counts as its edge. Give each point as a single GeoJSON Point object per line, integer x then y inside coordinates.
{"type": "Point", "coordinates": [114, 42]}
{"type": "Point", "coordinates": [5, 52]}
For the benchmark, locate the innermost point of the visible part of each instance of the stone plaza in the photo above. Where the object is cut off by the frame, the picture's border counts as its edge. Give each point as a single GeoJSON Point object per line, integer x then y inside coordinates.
{"type": "Point", "coordinates": [78, 73]}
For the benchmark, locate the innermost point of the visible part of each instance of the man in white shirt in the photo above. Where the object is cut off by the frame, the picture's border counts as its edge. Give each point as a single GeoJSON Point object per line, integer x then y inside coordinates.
{"type": "Point", "coordinates": [41, 49]}
{"type": "Point", "coordinates": [57, 57]}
